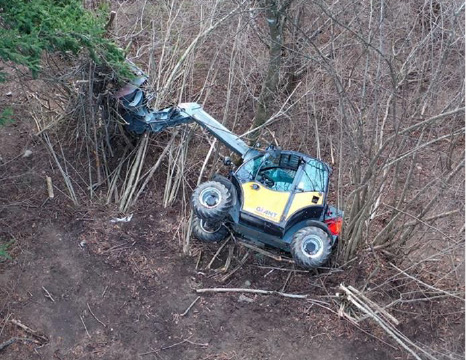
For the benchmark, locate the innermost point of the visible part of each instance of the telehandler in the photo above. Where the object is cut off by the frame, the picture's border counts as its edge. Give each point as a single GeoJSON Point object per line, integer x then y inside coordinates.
{"type": "Point", "coordinates": [275, 197]}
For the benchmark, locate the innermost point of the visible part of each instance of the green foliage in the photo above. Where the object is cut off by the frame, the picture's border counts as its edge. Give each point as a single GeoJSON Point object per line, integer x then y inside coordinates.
{"type": "Point", "coordinates": [6, 116]}
{"type": "Point", "coordinates": [28, 28]}
{"type": "Point", "coordinates": [4, 250]}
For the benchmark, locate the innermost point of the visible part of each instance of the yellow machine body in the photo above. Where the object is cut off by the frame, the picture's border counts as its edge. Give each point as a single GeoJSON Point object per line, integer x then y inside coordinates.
{"type": "Point", "coordinates": [271, 205]}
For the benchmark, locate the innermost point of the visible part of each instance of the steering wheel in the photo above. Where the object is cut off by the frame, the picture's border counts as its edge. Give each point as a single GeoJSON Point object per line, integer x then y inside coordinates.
{"type": "Point", "coordinates": [266, 180]}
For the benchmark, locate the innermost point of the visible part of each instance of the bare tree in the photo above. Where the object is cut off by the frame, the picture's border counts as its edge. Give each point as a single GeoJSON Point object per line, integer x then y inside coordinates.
{"type": "Point", "coordinates": [276, 12]}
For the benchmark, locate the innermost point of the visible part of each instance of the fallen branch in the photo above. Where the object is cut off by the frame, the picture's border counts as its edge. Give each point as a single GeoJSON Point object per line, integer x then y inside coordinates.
{"type": "Point", "coordinates": [184, 341]}
{"type": "Point", "coordinates": [3, 345]}
{"type": "Point", "coordinates": [190, 306]}
{"type": "Point", "coordinates": [63, 169]}
{"type": "Point", "coordinates": [400, 338]}
{"type": "Point", "coordinates": [284, 269]}
{"type": "Point", "coordinates": [95, 317]}
{"type": "Point", "coordinates": [48, 294]}
{"type": "Point", "coordinates": [134, 175]}
{"type": "Point", "coordinates": [225, 267]}
{"type": "Point", "coordinates": [290, 274]}
{"type": "Point", "coordinates": [266, 253]}
{"type": "Point", "coordinates": [375, 306]}
{"type": "Point", "coordinates": [251, 291]}
{"type": "Point", "coordinates": [173, 345]}
{"type": "Point", "coordinates": [218, 252]}
{"type": "Point", "coordinates": [199, 257]}
{"type": "Point", "coordinates": [437, 290]}
{"type": "Point", "coordinates": [243, 260]}
{"type": "Point", "coordinates": [48, 179]}
{"type": "Point", "coordinates": [29, 330]}
{"type": "Point", "coordinates": [85, 327]}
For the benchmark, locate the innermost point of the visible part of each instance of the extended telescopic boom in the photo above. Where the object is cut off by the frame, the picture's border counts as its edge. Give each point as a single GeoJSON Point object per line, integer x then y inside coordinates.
{"type": "Point", "coordinates": [140, 118]}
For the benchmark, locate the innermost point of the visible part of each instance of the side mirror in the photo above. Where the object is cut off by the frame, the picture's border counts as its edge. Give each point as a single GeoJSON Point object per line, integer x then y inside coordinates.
{"type": "Point", "coordinates": [227, 161]}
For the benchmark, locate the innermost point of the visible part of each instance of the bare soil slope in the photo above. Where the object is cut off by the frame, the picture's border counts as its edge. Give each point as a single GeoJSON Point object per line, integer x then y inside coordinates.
{"type": "Point", "coordinates": [118, 289]}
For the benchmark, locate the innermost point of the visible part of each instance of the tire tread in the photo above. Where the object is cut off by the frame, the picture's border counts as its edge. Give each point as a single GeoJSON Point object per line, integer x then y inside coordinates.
{"type": "Point", "coordinates": [217, 214]}
{"type": "Point", "coordinates": [301, 259]}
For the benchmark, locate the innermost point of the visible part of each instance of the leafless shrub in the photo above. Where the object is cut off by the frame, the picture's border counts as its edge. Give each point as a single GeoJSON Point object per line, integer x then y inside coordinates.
{"type": "Point", "coordinates": [375, 88]}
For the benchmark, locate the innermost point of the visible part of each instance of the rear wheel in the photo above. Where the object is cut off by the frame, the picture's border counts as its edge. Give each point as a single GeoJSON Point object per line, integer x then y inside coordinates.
{"type": "Point", "coordinates": [311, 247]}
{"type": "Point", "coordinates": [208, 232]}
{"type": "Point", "coordinates": [211, 201]}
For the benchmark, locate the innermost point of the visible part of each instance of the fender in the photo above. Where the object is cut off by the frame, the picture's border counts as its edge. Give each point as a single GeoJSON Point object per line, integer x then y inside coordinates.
{"type": "Point", "coordinates": [288, 237]}
{"type": "Point", "coordinates": [228, 184]}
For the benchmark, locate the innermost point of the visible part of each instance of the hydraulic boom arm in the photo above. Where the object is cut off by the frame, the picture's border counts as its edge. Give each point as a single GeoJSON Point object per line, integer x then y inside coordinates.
{"type": "Point", "coordinates": [140, 118]}
{"type": "Point", "coordinates": [232, 141]}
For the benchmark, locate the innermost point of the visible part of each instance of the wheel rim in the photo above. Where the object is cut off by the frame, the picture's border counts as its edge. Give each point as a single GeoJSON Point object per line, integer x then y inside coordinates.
{"type": "Point", "coordinates": [208, 229]}
{"type": "Point", "coordinates": [312, 246]}
{"type": "Point", "coordinates": [210, 197]}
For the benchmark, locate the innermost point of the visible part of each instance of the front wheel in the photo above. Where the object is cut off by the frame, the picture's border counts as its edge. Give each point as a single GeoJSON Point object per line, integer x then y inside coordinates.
{"type": "Point", "coordinates": [211, 201]}
{"type": "Point", "coordinates": [208, 232]}
{"type": "Point", "coordinates": [311, 247]}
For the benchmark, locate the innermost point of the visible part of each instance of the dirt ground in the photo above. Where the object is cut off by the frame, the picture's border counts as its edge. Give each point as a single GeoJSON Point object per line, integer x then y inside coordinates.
{"type": "Point", "coordinates": [92, 289]}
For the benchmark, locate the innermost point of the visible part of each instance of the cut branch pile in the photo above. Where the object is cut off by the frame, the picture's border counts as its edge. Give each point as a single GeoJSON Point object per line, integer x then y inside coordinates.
{"type": "Point", "coordinates": [357, 302]}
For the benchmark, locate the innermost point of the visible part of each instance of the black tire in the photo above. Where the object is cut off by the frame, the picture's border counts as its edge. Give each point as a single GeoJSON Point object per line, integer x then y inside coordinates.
{"type": "Point", "coordinates": [211, 201]}
{"type": "Point", "coordinates": [311, 247]}
{"type": "Point", "coordinates": [222, 180]}
{"type": "Point", "coordinates": [204, 231]}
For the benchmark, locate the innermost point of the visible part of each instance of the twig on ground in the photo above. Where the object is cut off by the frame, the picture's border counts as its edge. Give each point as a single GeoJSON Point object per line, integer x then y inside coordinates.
{"type": "Point", "coordinates": [217, 253]}
{"type": "Point", "coordinates": [251, 291]}
{"type": "Point", "coordinates": [198, 260]}
{"type": "Point", "coordinates": [48, 294]}
{"type": "Point", "coordinates": [457, 296]}
{"type": "Point", "coordinates": [152, 351]}
{"type": "Point", "coordinates": [394, 333]}
{"type": "Point", "coordinates": [182, 342]}
{"type": "Point", "coordinates": [5, 322]}
{"type": "Point", "coordinates": [63, 169]}
{"type": "Point", "coordinates": [243, 260]}
{"type": "Point", "coordinates": [375, 306]}
{"type": "Point", "coordinates": [85, 327]}
{"type": "Point", "coordinates": [95, 317]}
{"type": "Point", "coordinates": [190, 306]}
{"type": "Point", "coordinates": [173, 345]}
{"type": "Point", "coordinates": [266, 253]}
{"type": "Point", "coordinates": [48, 179]}
{"type": "Point", "coordinates": [290, 274]}
{"type": "Point", "coordinates": [3, 345]}
{"type": "Point", "coordinates": [283, 269]}
{"type": "Point", "coordinates": [29, 330]}
{"type": "Point", "coordinates": [225, 267]}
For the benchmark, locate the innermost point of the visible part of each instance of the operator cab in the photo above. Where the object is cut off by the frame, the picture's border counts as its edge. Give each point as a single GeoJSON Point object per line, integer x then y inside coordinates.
{"type": "Point", "coordinates": [282, 188]}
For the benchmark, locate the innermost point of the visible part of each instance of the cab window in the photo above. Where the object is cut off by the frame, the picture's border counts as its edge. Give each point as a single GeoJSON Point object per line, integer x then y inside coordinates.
{"type": "Point", "coordinates": [314, 178]}
{"type": "Point", "coordinates": [247, 171]}
{"type": "Point", "coordinates": [276, 172]}
{"type": "Point", "coordinates": [276, 178]}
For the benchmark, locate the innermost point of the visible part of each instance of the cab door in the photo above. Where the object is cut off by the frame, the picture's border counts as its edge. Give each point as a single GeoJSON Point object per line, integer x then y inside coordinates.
{"type": "Point", "coordinates": [262, 202]}
{"type": "Point", "coordinates": [267, 186]}
{"type": "Point", "coordinates": [309, 196]}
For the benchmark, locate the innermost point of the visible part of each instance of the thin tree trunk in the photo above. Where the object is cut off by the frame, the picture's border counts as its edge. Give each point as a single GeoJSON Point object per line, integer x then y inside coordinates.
{"type": "Point", "coordinates": [276, 17]}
